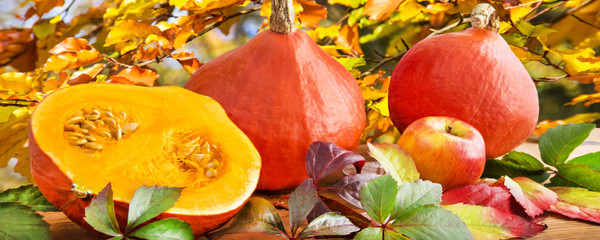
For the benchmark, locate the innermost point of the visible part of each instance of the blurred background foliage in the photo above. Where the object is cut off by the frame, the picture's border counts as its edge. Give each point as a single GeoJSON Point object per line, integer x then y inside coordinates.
{"type": "Point", "coordinates": [50, 44]}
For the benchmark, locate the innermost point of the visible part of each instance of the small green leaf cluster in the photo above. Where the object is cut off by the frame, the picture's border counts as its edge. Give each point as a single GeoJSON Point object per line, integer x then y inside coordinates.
{"type": "Point", "coordinates": [18, 217]}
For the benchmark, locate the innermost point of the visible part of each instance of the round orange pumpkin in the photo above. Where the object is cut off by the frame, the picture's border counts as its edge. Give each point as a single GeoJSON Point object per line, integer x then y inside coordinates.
{"type": "Point", "coordinates": [86, 136]}
{"type": "Point", "coordinates": [471, 75]}
{"type": "Point", "coordinates": [284, 92]}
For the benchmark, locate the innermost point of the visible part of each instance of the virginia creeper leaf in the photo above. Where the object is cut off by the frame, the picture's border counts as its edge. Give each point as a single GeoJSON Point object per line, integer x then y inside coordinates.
{"type": "Point", "coordinates": [301, 202]}
{"type": "Point", "coordinates": [397, 162]}
{"type": "Point", "coordinates": [412, 195]}
{"type": "Point", "coordinates": [484, 195]}
{"type": "Point", "coordinates": [319, 209]}
{"type": "Point", "coordinates": [378, 197]}
{"type": "Point", "coordinates": [576, 175]}
{"type": "Point", "coordinates": [149, 202]}
{"type": "Point", "coordinates": [348, 188]}
{"type": "Point", "coordinates": [256, 216]}
{"type": "Point", "coordinates": [167, 229]}
{"type": "Point", "coordinates": [100, 214]}
{"type": "Point", "coordinates": [492, 223]}
{"type": "Point", "coordinates": [516, 164]}
{"type": "Point", "coordinates": [370, 233]}
{"type": "Point", "coordinates": [557, 143]}
{"type": "Point", "coordinates": [28, 195]}
{"type": "Point", "coordinates": [577, 203]}
{"type": "Point", "coordinates": [431, 222]}
{"type": "Point", "coordinates": [18, 221]}
{"type": "Point", "coordinates": [592, 160]}
{"type": "Point", "coordinates": [355, 217]}
{"type": "Point", "coordinates": [534, 197]}
{"type": "Point", "coordinates": [329, 224]}
{"type": "Point", "coordinates": [324, 158]}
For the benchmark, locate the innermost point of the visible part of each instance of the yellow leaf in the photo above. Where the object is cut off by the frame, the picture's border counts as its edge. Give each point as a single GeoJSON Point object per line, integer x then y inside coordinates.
{"type": "Point", "coordinates": [13, 140]}
{"type": "Point", "coordinates": [348, 37]}
{"type": "Point", "coordinates": [370, 93]}
{"type": "Point", "coordinates": [331, 31]}
{"type": "Point", "coordinates": [135, 75]}
{"type": "Point", "coordinates": [16, 83]}
{"type": "Point", "coordinates": [128, 34]}
{"type": "Point", "coordinates": [580, 60]}
{"type": "Point", "coordinates": [436, 8]}
{"type": "Point", "coordinates": [574, 31]}
{"type": "Point", "coordinates": [205, 6]}
{"type": "Point", "coordinates": [86, 75]}
{"type": "Point", "coordinates": [381, 9]}
{"type": "Point", "coordinates": [382, 107]}
{"type": "Point", "coordinates": [71, 53]}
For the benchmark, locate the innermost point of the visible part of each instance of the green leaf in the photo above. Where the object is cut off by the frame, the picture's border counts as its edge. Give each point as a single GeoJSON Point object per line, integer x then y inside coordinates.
{"type": "Point", "coordinates": [540, 71]}
{"type": "Point", "coordinates": [18, 221]}
{"type": "Point", "coordinates": [533, 31]}
{"type": "Point", "coordinates": [431, 222]}
{"type": "Point", "coordinates": [257, 216]}
{"type": "Point", "coordinates": [557, 143]}
{"type": "Point", "coordinates": [576, 175]}
{"type": "Point", "coordinates": [100, 214]}
{"type": "Point", "coordinates": [149, 202]}
{"type": "Point", "coordinates": [397, 162]}
{"type": "Point", "coordinates": [370, 233]}
{"type": "Point", "coordinates": [378, 197]}
{"type": "Point", "coordinates": [516, 164]}
{"type": "Point", "coordinates": [592, 160]}
{"type": "Point", "coordinates": [302, 200]}
{"type": "Point", "coordinates": [329, 224]}
{"type": "Point", "coordinates": [167, 229]}
{"type": "Point", "coordinates": [351, 63]}
{"type": "Point", "coordinates": [412, 195]}
{"type": "Point", "coordinates": [28, 195]}
{"type": "Point", "coordinates": [515, 39]}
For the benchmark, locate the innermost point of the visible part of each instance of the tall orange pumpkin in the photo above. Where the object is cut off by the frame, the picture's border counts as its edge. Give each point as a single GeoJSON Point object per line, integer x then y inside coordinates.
{"type": "Point", "coordinates": [284, 92]}
{"type": "Point", "coordinates": [471, 75]}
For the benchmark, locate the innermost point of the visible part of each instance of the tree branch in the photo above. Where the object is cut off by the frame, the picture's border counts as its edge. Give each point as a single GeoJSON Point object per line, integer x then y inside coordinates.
{"type": "Point", "coordinates": [382, 63]}
{"type": "Point", "coordinates": [17, 102]}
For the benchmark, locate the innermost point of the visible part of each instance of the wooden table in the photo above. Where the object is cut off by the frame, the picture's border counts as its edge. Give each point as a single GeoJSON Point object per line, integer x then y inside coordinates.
{"type": "Point", "coordinates": [559, 227]}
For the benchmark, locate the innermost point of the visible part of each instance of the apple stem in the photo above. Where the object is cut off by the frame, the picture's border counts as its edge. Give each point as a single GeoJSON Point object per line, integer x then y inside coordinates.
{"type": "Point", "coordinates": [484, 16]}
{"type": "Point", "coordinates": [449, 129]}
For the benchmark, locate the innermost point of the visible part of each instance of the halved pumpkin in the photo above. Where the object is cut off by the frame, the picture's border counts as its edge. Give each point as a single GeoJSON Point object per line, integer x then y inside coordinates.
{"type": "Point", "coordinates": [85, 136]}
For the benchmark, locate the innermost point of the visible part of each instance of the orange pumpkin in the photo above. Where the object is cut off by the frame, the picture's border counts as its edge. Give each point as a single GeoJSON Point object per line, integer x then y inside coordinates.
{"type": "Point", "coordinates": [85, 136]}
{"type": "Point", "coordinates": [471, 75]}
{"type": "Point", "coordinates": [284, 92]}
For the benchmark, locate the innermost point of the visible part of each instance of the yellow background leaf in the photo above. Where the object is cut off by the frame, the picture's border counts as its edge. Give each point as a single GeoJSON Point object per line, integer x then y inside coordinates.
{"type": "Point", "coordinates": [381, 9]}
{"type": "Point", "coordinates": [13, 140]}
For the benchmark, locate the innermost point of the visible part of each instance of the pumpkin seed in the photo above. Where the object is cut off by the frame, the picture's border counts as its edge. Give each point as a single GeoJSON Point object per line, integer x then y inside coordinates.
{"type": "Point", "coordinates": [90, 138]}
{"type": "Point", "coordinates": [210, 173]}
{"type": "Point", "coordinates": [197, 157]}
{"type": "Point", "coordinates": [109, 115]}
{"type": "Point", "coordinates": [117, 132]}
{"type": "Point", "coordinates": [129, 128]}
{"type": "Point", "coordinates": [84, 131]}
{"type": "Point", "coordinates": [109, 121]}
{"type": "Point", "coordinates": [92, 116]}
{"type": "Point", "coordinates": [79, 142]}
{"type": "Point", "coordinates": [93, 145]}
{"type": "Point", "coordinates": [212, 164]}
{"type": "Point", "coordinates": [105, 134]}
{"type": "Point", "coordinates": [75, 119]}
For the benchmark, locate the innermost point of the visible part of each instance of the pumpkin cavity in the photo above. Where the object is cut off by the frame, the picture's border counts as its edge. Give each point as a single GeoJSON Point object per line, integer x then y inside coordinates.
{"type": "Point", "coordinates": [195, 154]}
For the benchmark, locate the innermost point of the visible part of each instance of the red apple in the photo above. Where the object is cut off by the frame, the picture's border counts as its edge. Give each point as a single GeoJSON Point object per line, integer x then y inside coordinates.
{"type": "Point", "coordinates": [445, 150]}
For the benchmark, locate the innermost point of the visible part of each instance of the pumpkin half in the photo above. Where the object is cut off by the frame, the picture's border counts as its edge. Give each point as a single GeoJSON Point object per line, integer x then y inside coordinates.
{"type": "Point", "coordinates": [284, 92]}
{"type": "Point", "coordinates": [85, 136]}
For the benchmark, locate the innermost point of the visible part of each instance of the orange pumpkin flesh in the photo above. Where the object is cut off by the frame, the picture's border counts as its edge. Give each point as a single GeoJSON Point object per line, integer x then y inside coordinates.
{"type": "Point", "coordinates": [284, 92]}
{"type": "Point", "coordinates": [173, 124]}
{"type": "Point", "coordinates": [471, 75]}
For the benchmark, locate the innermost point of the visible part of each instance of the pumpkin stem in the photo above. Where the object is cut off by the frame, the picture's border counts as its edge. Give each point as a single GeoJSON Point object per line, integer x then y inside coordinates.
{"type": "Point", "coordinates": [282, 16]}
{"type": "Point", "coordinates": [484, 16]}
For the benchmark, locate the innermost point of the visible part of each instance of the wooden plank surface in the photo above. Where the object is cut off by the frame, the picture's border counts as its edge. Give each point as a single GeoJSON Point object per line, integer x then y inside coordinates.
{"type": "Point", "coordinates": [559, 227]}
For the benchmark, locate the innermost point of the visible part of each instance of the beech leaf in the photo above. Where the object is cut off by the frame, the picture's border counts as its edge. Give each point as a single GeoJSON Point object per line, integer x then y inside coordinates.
{"type": "Point", "coordinates": [492, 223]}
{"type": "Point", "coordinates": [381, 9]}
{"type": "Point", "coordinates": [324, 158]}
{"type": "Point", "coordinates": [431, 222]}
{"type": "Point", "coordinates": [86, 75]}
{"type": "Point", "coordinates": [329, 224]}
{"type": "Point", "coordinates": [18, 221]}
{"type": "Point", "coordinates": [397, 162]}
{"type": "Point", "coordinates": [312, 13]}
{"type": "Point", "coordinates": [534, 197]}
{"type": "Point", "coordinates": [557, 143]}
{"type": "Point", "coordinates": [71, 53]}
{"type": "Point", "coordinates": [149, 202]}
{"type": "Point", "coordinates": [301, 202]}
{"type": "Point", "coordinates": [256, 216]}
{"type": "Point", "coordinates": [28, 195]}
{"type": "Point", "coordinates": [100, 214]}
{"type": "Point", "coordinates": [576, 175]}
{"type": "Point", "coordinates": [578, 203]}
{"type": "Point", "coordinates": [135, 75]}
{"type": "Point", "coordinates": [348, 188]}
{"type": "Point", "coordinates": [483, 195]}
{"type": "Point", "coordinates": [167, 229]}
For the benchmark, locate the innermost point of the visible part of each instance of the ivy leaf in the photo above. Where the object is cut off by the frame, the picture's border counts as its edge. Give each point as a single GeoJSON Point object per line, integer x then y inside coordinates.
{"type": "Point", "coordinates": [516, 164]}
{"type": "Point", "coordinates": [576, 175]}
{"type": "Point", "coordinates": [413, 195]}
{"type": "Point", "coordinates": [149, 202]}
{"type": "Point", "coordinates": [557, 143]}
{"type": "Point", "coordinates": [492, 223]}
{"type": "Point", "coordinates": [329, 224]}
{"type": "Point", "coordinates": [534, 197]}
{"type": "Point", "coordinates": [28, 195]}
{"type": "Point", "coordinates": [256, 216]}
{"type": "Point", "coordinates": [577, 203]}
{"type": "Point", "coordinates": [431, 222]}
{"type": "Point", "coordinates": [483, 195]}
{"type": "Point", "coordinates": [348, 188]}
{"type": "Point", "coordinates": [324, 158]}
{"type": "Point", "coordinates": [397, 162]}
{"type": "Point", "coordinates": [167, 229]}
{"type": "Point", "coordinates": [301, 202]}
{"type": "Point", "coordinates": [100, 214]}
{"type": "Point", "coordinates": [378, 198]}
{"type": "Point", "coordinates": [18, 221]}
{"type": "Point", "coordinates": [592, 160]}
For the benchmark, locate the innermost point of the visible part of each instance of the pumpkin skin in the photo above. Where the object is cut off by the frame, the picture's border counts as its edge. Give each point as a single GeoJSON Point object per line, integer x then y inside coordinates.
{"type": "Point", "coordinates": [284, 92]}
{"type": "Point", "coordinates": [139, 158]}
{"type": "Point", "coordinates": [471, 75]}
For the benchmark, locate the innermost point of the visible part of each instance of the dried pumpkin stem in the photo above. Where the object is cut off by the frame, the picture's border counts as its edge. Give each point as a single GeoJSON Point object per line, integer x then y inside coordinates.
{"type": "Point", "coordinates": [282, 16]}
{"type": "Point", "coordinates": [484, 16]}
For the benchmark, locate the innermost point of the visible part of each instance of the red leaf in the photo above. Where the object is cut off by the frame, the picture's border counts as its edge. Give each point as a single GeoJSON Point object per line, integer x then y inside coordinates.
{"type": "Point", "coordinates": [484, 195]}
{"type": "Point", "coordinates": [534, 197]}
{"type": "Point", "coordinates": [135, 75]}
{"type": "Point", "coordinates": [577, 203]}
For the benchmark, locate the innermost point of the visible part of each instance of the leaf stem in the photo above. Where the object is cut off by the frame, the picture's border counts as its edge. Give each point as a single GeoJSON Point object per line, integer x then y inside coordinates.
{"type": "Point", "coordinates": [381, 64]}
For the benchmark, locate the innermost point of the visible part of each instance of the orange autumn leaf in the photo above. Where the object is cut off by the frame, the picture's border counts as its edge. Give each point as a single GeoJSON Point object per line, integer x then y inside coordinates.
{"type": "Point", "coordinates": [135, 75]}
{"type": "Point", "coordinates": [311, 14]}
{"type": "Point", "coordinates": [143, 53]}
{"type": "Point", "coordinates": [205, 6]}
{"type": "Point", "coordinates": [349, 38]}
{"type": "Point", "coordinates": [18, 48]}
{"type": "Point", "coordinates": [71, 53]}
{"type": "Point", "coordinates": [85, 75]}
{"type": "Point", "coordinates": [44, 6]}
{"type": "Point", "coordinates": [381, 9]}
{"type": "Point", "coordinates": [127, 35]}
{"type": "Point", "coordinates": [181, 55]}
{"type": "Point", "coordinates": [190, 65]}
